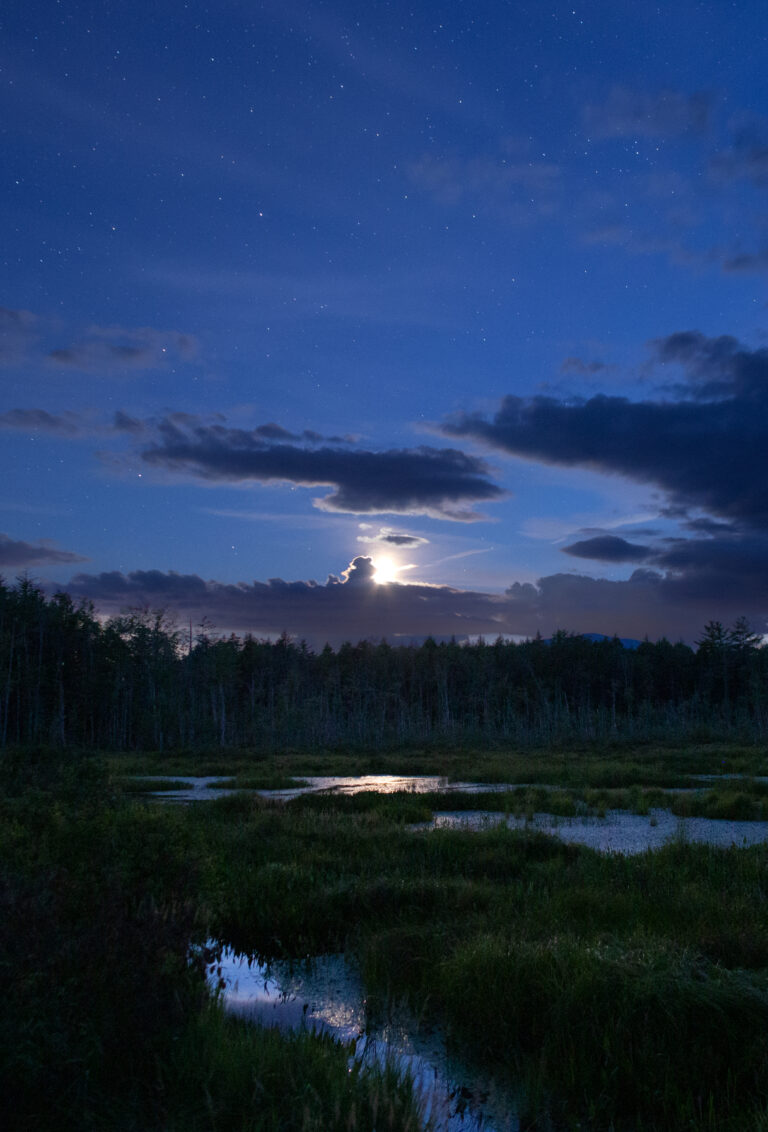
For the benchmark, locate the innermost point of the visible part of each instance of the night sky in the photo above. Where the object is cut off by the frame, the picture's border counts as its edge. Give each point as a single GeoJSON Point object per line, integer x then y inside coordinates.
{"type": "Point", "coordinates": [362, 320]}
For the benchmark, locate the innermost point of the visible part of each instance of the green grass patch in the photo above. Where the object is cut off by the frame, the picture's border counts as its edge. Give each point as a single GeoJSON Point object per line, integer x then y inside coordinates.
{"type": "Point", "coordinates": [150, 785]}
{"type": "Point", "coordinates": [616, 765]}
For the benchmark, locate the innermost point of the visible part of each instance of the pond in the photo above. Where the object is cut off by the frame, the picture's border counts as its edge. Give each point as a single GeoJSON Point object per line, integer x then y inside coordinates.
{"type": "Point", "coordinates": [326, 994]}
{"type": "Point", "coordinates": [203, 788]}
{"type": "Point", "coordinates": [618, 832]}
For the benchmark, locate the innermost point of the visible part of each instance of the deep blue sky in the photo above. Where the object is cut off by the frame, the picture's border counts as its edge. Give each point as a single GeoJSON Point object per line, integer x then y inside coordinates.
{"type": "Point", "coordinates": [476, 291]}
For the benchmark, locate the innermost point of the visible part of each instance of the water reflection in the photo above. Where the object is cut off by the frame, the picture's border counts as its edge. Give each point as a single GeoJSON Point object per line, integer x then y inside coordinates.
{"type": "Point", "coordinates": [385, 784]}
{"type": "Point", "coordinates": [327, 995]}
{"type": "Point", "coordinates": [618, 832]}
{"type": "Point", "coordinates": [195, 789]}
{"type": "Point", "coordinates": [199, 789]}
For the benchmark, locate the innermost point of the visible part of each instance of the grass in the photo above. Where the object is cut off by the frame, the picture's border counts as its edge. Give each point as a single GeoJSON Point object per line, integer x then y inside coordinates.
{"type": "Point", "coordinates": [227, 1074]}
{"type": "Point", "coordinates": [106, 1018]}
{"type": "Point", "coordinates": [605, 766]}
{"type": "Point", "coordinates": [617, 994]}
{"type": "Point", "coordinates": [149, 785]}
{"type": "Point", "coordinates": [583, 975]}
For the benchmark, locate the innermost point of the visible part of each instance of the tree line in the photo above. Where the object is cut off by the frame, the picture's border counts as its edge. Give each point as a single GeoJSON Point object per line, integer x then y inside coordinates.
{"type": "Point", "coordinates": [136, 682]}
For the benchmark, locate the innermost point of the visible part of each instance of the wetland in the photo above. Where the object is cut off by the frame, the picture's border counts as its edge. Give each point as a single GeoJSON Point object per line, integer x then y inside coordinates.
{"type": "Point", "coordinates": [535, 982]}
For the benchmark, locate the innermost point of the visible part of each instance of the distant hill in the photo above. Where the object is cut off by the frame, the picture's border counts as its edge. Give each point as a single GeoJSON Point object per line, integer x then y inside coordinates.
{"type": "Point", "coordinates": [627, 642]}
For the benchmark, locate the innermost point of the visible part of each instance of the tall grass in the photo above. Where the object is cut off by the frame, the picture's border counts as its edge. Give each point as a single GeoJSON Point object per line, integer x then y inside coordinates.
{"type": "Point", "coordinates": [105, 1016]}
{"type": "Point", "coordinates": [624, 993]}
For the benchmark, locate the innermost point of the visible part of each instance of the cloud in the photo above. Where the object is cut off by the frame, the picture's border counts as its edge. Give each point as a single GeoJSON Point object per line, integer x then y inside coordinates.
{"type": "Point", "coordinates": [354, 607]}
{"type": "Point", "coordinates": [30, 338]}
{"type": "Point", "coordinates": [123, 422]}
{"type": "Point", "coordinates": [746, 261]}
{"type": "Point", "coordinates": [746, 159]}
{"type": "Point", "coordinates": [112, 349]}
{"type": "Point", "coordinates": [443, 483]}
{"type": "Point", "coordinates": [18, 329]}
{"type": "Point", "coordinates": [349, 608]}
{"type": "Point", "coordinates": [583, 367]}
{"type": "Point", "coordinates": [38, 420]}
{"type": "Point", "coordinates": [272, 431]}
{"type": "Point", "coordinates": [608, 548]}
{"type": "Point", "coordinates": [386, 537]}
{"type": "Point", "coordinates": [633, 113]}
{"type": "Point", "coordinates": [707, 448]}
{"type": "Point", "coordinates": [510, 185]}
{"type": "Point", "coordinates": [17, 554]}
{"type": "Point", "coordinates": [360, 572]}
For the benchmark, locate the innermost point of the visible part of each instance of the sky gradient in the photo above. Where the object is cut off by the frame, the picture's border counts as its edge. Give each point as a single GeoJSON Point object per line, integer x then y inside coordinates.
{"type": "Point", "coordinates": [385, 320]}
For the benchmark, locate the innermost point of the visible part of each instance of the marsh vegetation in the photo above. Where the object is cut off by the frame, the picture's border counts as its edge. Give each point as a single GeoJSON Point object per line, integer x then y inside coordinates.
{"type": "Point", "coordinates": [605, 991]}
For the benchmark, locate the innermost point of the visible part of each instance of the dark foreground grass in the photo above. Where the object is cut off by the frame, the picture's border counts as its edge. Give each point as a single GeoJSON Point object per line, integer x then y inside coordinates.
{"type": "Point", "coordinates": [106, 1021]}
{"type": "Point", "coordinates": [224, 1073]}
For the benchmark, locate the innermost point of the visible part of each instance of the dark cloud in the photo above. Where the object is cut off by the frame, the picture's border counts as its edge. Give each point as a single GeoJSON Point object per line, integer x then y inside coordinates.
{"type": "Point", "coordinates": [707, 448]}
{"type": "Point", "coordinates": [403, 540]}
{"type": "Point", "coordinates": [347, 609]}
{"type": "Point", "coordinates": [647, 604]}
{"type": "Point", "coordinates": [747, 156]}
{"type": "Point", "coordinates": [748, 162]}
{"type": "Point", "coordinates": [112, 349]}
{"type": "Point", "coordinates": [706, 526]}
{"type": "Point", "coordinates": [17, 554]}
{"type": "Point", "coordinates": [633, 113]}
{"type": "Point", "coordinates": [88, 357]}
{"type": "Point", "coordinates": [360, 572]}
{"type": "Point", "coordinates": [582, 366]}
{"type": "Point", "coordinates": [123, 422]}
{"type": "Point", "coordinates": [15, 320]}
{"type": "Point", "coordinates": [608, 548]}
{"type": "Point", "coordinates": [272, 431]}
{"type": "Point", "coordinates": [443, 483]}
{"type": "Point", "coordinates": [38, 420]}
{"type": "Point", "coordinates": [17, 331]}
{"type": "Point", "coordinates": [387, 537]}
{"type": "Point", "coordinates": [730, 566]}
{"type": "Point", "coordinates": [705, 568]}
{"type": "Point", "coordinates": [745, 261]}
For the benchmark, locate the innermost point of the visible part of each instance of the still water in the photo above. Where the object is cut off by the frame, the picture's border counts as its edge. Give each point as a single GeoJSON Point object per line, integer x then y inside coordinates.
{"type": "Point", "coordinates": [618, 832]}
{"type": "Point", "coordinates": [326, 995]}
{"type": "Point", "coordinates": [202, 789]}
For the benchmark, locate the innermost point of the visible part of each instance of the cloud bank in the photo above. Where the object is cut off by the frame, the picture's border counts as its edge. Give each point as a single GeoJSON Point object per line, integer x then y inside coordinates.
{"type": "Point", "coordinates": [706, 447]}
{"type": "Point", "coordinates": [354, 607]}
{"type": "Point", "coordinates": [16, 554]}
{"type": "Point", "coordinates": [443, 483]}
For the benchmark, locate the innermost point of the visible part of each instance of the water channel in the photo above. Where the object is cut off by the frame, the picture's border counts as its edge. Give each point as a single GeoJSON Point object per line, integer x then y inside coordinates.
{"type": "Point", "coordinates": [326, 995]}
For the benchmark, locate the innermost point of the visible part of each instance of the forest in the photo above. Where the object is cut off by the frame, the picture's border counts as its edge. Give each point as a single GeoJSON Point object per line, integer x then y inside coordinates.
{"type": "Point", "coordinates": [138, 681]}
